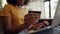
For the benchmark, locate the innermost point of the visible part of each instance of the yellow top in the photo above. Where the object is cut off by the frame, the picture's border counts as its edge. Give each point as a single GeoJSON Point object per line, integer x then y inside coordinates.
{"type": "Point", "coordinates": [16, 14]}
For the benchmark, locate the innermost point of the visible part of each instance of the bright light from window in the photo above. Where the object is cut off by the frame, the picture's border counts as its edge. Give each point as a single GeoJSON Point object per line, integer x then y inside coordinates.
{"type": "Point", "coordinates": [47, 9]}
{"type": "Point", "coordinates": [53, 7]}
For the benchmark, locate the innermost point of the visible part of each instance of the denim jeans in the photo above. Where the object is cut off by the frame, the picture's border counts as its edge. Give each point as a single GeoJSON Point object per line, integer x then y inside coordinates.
{"type": "Point", "coordinates": [55, 30]}
{"type": "Point", "coordinates": [24, 32]}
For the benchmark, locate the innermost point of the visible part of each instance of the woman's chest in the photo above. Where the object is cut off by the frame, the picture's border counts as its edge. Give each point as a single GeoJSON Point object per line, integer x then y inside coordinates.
{"type": "Point", "coordinates": [19, 13]}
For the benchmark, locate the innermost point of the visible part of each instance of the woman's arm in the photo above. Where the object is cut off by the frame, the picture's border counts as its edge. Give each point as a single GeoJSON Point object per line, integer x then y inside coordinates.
{"type": "Point", "coordinates": [8, 25]}
{"type": "Point", "coordinates": [32, 18]}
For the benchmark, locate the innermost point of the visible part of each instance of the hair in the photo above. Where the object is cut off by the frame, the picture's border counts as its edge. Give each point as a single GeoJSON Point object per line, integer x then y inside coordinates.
{"type": "Point", "coordinates": [14, 2]}
{"type": "Point", "coordinates": [26, 2]}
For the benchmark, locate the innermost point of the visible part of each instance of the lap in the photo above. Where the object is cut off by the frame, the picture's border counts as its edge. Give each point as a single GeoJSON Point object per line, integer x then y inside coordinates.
{"type": "Point", "coordinates": [55, 30]}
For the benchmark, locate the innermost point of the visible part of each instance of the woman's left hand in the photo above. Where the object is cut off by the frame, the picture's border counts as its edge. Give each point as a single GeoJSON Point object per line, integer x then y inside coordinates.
{"type": "Point", "coordinates": [39, 25]}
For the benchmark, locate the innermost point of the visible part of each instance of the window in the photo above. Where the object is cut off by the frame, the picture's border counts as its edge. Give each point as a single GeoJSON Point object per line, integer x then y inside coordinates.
{"type": "Point", "coordinates": [46, 9]}
{"type": "Point", "coordinates": [52, 8]}
{"type": "Point", "coordinates": [3, 3]}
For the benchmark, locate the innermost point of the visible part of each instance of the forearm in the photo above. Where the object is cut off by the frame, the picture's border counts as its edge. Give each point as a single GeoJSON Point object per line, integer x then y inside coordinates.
{"type": "Point", "coordinates": [8, 26]}
{"type": "Point", "coordinates": [22, 27]}
{"type": "Point", "coordinates": [18, 28]}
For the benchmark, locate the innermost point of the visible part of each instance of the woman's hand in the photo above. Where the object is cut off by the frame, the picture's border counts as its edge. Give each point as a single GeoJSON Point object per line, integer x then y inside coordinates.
{"type": "Point", "coordinates": [31, 18]}
{"type": "Point", "coordinates": [36, 26]}
{"type": "Point", "coordinates": [39, 25]}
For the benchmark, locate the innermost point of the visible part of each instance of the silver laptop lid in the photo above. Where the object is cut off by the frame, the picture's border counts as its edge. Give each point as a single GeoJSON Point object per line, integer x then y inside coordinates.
{"type": "Point", "coordinates": [56, 19]}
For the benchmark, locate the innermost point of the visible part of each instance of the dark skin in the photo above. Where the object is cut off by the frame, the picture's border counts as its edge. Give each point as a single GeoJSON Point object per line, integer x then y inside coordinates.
{"type": "Point", "coordinates": [8, 24]}
{"type": "Point", "coordinates": [39, 25]}
{"type": "Point", "coordinates": [10, 28]}
{"type": "Point", "coordinates": [20, 2]}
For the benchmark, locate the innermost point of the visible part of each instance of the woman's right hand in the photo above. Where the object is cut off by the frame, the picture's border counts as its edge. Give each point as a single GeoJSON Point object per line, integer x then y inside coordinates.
{"type": "Point", "coordinates": [31, 18]}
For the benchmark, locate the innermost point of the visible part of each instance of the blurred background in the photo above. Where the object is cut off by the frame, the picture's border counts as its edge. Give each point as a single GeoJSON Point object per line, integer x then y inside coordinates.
{"type": "Point", "coordinates": [47, 7]}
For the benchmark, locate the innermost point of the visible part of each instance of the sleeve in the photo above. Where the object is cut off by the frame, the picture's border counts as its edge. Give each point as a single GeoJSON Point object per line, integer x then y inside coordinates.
{"type": "Point", "coordinates": [26, 11]}
{"type": "Point", "coordinates": [5, 11]}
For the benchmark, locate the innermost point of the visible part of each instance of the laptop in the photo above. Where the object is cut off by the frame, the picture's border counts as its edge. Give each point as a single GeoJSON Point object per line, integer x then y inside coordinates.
{"type": "Point", "coordinates": [55, 22]}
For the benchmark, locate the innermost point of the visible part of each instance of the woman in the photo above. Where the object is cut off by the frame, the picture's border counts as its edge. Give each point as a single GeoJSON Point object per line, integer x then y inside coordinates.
{"type": "Point", "coordinates": [13, 17]}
